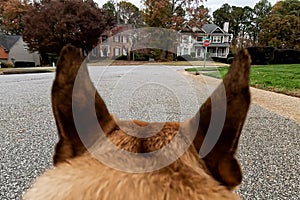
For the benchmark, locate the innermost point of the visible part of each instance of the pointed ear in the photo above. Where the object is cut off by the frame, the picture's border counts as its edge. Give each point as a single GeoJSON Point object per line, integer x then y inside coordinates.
{"type": "Point", "coordinates": [72, 69]}
{"type": "Point", "coordinates": [231, 99]}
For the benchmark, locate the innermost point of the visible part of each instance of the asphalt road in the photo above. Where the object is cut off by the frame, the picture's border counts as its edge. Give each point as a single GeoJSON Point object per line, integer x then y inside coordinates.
{"type": "Point", "coordinates": [269, 146]}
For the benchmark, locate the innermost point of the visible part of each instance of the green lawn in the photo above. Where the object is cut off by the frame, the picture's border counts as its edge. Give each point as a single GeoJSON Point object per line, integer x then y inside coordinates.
{"type": "Point", "coordinates": [278, 78]}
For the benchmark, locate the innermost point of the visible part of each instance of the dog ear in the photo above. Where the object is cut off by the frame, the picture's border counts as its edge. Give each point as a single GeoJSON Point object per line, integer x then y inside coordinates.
{"type": "Point", "coordinates": [230, 100]}
{"type": "Point", "coordinates": [73, 94]}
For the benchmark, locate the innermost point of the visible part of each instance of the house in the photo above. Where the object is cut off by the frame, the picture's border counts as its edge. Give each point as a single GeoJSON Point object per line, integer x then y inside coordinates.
{"type": "Point", "coordinates": [191, 41]}
{"type": "Point", "coordinates": [13, 49]}
{"type": "Point", "coordinates": [113, 43]}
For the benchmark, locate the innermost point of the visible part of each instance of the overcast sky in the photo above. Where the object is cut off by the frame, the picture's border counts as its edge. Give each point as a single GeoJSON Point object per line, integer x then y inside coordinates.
{"type": "Point", "coordinates": [211, 4]}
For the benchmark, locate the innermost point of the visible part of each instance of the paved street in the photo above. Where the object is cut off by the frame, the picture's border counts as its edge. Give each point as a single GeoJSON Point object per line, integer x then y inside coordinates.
{"type": "Point", "coordinates": [269, 147]}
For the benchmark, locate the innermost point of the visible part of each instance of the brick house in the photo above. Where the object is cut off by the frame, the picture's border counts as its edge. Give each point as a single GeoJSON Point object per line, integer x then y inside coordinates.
{"type": "Point", "coordinates": [113, 43]}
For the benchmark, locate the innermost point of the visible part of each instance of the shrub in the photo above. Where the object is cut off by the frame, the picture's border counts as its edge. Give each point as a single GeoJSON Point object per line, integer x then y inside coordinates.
{"type": "Point", "coordinates": [6, 65]}
{"type": "Point", "coordinates": [122, 57]}
{"type": "Point", "coordinates": [185, 58]}
{"type": "Point", "coordinates": [141, 57]}
{"type": "Point", "coordinates": [229, 60]}
{"type": "Point", "coordinates": [219, 59]}
{"type": "Point", "coordinates": [230, 55]}
{"type": "Point", "coordinates": [20, 64]}
{"type": "Point", "coordinates": [261, 55]}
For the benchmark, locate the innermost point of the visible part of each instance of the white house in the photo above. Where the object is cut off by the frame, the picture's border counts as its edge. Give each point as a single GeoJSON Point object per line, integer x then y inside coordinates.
{"type": "Point", "coordinates": [191, 41]}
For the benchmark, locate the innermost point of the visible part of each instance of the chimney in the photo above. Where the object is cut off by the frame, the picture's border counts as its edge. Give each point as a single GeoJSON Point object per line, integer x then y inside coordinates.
{"type": "Point", "coordinates": [226, 27]}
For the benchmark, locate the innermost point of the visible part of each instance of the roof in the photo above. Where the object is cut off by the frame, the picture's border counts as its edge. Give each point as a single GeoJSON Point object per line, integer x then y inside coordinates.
{"type": "Point", "coordinates": [206, 28]}
{"type": "Point", "coordinates": [210, 28]}
{"type": "Point", "coordinates": [8, 41]}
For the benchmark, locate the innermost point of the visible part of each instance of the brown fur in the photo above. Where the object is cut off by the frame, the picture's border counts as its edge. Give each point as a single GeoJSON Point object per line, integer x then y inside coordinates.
{"type": "Point", "coordinates": [79, 175]}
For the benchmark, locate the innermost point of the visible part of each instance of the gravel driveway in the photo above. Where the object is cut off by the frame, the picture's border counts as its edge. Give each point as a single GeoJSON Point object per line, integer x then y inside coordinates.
{"type": "Point", "coordinates": [269, 146]}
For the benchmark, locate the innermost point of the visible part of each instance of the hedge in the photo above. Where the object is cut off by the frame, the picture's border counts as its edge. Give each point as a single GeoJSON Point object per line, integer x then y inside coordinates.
{"type": "Point", "coordinates": [20, 64]}
{"type": "Point", "coordinates": [6, 65]}
{"type": "Point", "coordinates": [261, 55]}
{"type": "Point", "coordinates": [286, 56]}
{"type": "Point", "coordinates": [270, 55]}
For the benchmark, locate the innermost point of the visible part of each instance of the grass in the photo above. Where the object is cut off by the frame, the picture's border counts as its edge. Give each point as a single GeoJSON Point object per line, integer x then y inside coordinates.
{"type": "Point", "coordinates": [278, 78]}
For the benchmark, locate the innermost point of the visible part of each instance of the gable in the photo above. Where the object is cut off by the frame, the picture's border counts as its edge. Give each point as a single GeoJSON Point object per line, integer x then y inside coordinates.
{"type": "Point", "coordinates": [212, 28]}
{"type": "Point", "coordinates": [8, 41]}
{"type": "Point", "coordinates": [218, 30]}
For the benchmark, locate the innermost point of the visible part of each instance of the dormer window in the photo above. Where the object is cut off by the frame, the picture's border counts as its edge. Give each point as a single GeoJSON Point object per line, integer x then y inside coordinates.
{"type": "Point", "coordinates": [217, 39]}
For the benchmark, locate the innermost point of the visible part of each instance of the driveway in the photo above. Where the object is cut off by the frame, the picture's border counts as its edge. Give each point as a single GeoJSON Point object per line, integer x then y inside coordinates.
{"type": "Point", "coordinates": [269, 146]}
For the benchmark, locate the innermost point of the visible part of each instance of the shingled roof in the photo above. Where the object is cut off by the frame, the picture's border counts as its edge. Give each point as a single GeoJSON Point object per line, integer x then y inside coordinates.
{"type": "Point", "coordinates": [8, 41]}
{"type": "Point", "coordinates": [206, 28]}
{"type": "Point", "coordinates": [210, 28]}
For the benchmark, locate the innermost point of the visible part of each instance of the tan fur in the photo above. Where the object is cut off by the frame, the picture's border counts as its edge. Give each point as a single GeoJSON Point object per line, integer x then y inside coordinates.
{"type": "Point", "coordinates": [79, 175]}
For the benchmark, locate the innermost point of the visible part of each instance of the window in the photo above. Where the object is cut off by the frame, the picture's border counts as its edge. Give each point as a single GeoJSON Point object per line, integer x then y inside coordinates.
{"type": "Point", "coordinates": [185, 39]}
{"type": "Point", "coordinates": [200, 39]}
{"type": "Point", "coordinates": [185, 51]}
{"type": "Point", "coordinates": [117, 51]}
{"type": "Point", "coordinates": [104, 50]}
{"type": "Point", "coordinates": [226, 39]}
{"type": "Point", "coordinates": [124, 39]}
{"type": "Point", "coordinates": [116, 39]}
{"type": "Point", "coordinates": [217, 39]}
{"type": "Point", "coordinates": [94, 52]}
{"type": "Point", "coordinates": [103, 38]}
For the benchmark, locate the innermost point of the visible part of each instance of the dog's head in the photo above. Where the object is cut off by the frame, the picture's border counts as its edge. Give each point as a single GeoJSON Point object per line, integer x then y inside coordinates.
{"type": "Point", "coordinates": [79, 173]}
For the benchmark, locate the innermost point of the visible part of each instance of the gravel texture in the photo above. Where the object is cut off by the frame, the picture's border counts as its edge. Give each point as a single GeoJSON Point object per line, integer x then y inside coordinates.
{"type": "Point", "coordinates": [269, 146]}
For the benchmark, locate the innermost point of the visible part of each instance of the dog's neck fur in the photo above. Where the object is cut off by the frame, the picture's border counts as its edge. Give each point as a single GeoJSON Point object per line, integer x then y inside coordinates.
{"type": "Point", "coordinates": [78, 174]}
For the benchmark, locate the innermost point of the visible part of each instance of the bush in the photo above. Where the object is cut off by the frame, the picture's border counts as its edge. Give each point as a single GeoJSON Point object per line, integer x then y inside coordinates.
{"type": "Point", "coordinates": [230, 60]}
{"type": "Point", "coordinates": [185, 58]}
{"type": "Point", "coordinates": [140, 57]}
{"type": "Point", "coordinates": [230, 55]}
{"type": "Point", "coordinates": [219, 59]}
{"type": "Point", "coordinates": [20, 64]}
{"type": "Point", "coordinates": [122, 57]}
{"type": "Point", "coordinates": [6, 65]}
{"type": "Point", "coordinates": [261, 55]}
{"type": "Point", "coordinates": [286, 56]}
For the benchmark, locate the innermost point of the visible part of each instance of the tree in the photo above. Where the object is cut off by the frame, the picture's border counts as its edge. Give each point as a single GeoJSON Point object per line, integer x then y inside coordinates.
{"type": "Point", "coordinates": [110, 11]}
{"type": "Point", "coordinates": [222, 15]}
{"type": "Point", "coordinates": [50, 25]}
{"type": "Point", "coordinates": [174, 14]}
{"type": "Point", "coordinates": [281, 28]}
{"type": "Point", "coordinates": [244, 22]}
{"type": "Point", "coordinates": [12, 12]}
{"type": "Point", "coordinates": [260, 11]}
{"type": "Point", "coordinates": [2, 3]}
{"type": "Point", "coordinates": [236, 16]}
{"type": "Point", "coordinates": [130, 14]}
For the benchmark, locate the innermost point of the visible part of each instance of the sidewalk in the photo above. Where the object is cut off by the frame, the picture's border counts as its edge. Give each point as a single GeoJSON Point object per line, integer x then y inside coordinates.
{"type": "Point", "coordinates": [281, 104]}
{"type": "Point", "coordinates": [4, 71]}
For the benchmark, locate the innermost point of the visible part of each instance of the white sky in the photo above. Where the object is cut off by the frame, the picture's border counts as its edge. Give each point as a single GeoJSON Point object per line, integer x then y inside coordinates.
{"type": "Point", "coordinates": [211, 4]}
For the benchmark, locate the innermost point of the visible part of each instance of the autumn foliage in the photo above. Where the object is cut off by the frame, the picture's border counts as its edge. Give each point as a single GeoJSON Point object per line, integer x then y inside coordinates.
{"type": "Point", "coordinates": [11, 15]}
{"type": "Point", "coordinates": [50, 25]}
{"type": "Point", "coordinates": [175, 14]}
